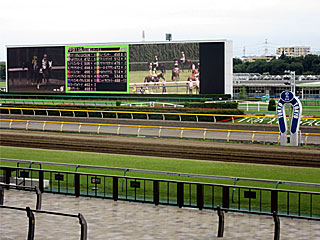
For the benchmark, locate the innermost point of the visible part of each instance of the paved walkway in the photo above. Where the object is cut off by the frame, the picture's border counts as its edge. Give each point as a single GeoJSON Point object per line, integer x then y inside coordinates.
{"type": "Point", "coordinates": [124, 220]}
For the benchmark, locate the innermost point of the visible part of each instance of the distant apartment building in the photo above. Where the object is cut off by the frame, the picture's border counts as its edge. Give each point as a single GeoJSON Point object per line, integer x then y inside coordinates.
{"type": "Point", "coordinates": [293, 51]}
{"type": "Point", "coordinates": [255, 58]}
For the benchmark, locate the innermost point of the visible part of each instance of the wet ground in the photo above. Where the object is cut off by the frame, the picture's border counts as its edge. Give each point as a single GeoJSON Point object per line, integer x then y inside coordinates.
{"type": "Point", "coordinates": [125, 220]}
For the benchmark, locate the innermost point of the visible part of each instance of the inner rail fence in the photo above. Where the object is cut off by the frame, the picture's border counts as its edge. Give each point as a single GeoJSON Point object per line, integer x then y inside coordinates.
{"type": "Point", "coordinates": [155, 131]}
{"type": "Point", "coordinates": [198, 117]}
{"type": "Point", "coordinates": [125, 171]}
{"type": "Point", "coordinates": [286, 203]}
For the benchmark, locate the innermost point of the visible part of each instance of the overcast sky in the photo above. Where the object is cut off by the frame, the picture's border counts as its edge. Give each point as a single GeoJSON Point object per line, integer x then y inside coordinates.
{"type": "Point", "coordinates": [247, 23]}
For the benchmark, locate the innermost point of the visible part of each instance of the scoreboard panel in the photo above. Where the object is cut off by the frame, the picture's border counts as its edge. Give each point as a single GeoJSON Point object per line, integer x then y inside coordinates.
{"type": "Point", "coordinates": [97, 68]}
{"type": "Point", "coordinates": [194, 67]}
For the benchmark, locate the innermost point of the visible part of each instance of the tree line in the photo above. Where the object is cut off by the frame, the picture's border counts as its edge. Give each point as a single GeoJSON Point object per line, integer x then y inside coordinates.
{"type": "Point", "coordinates": [308, 65]}
{"type": "Point", "coordinates": [2, 70]}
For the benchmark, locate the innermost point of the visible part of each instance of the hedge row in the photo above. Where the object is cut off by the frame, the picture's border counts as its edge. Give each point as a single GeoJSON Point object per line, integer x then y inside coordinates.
{"type": "Point", "coordinates": [220, 108]}
{"type": "Point", "coordinates": [134, 109]}
{"type": "Point", "coordinates": [121, 97]}
{"type": "Point", "coordinates": [219, 105]}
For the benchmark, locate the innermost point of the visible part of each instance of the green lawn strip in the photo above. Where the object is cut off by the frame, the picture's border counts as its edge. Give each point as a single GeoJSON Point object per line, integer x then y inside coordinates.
{"type": "Point", "coordinates": [172, 165]}
{"type": "Point", "coordinates": [161, 164]}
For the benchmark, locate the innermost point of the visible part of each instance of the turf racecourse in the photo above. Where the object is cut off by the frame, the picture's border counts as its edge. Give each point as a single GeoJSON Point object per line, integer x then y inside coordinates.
{"type": "Point", "coordinates": [298, 174]}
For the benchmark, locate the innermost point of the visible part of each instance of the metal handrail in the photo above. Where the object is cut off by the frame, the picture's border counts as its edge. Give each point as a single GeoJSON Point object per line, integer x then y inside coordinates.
{"type": "Point", "coordinates": [304, 184]}
{"type": "Point", "coordinates": [31, 228]}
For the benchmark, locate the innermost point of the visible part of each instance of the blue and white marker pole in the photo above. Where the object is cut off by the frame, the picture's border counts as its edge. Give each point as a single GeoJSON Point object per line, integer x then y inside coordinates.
{"type": "Point", "coordinates": [287, 97]}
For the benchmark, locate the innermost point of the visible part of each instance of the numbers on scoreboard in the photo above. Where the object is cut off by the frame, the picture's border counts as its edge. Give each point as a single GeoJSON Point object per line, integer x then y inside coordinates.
{"type": "Point", "coordinates": [90, 69]}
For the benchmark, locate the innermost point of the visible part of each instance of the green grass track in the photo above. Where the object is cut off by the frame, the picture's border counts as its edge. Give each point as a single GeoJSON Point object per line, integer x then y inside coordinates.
{"type": "Point", "coordinates": [297, 174]}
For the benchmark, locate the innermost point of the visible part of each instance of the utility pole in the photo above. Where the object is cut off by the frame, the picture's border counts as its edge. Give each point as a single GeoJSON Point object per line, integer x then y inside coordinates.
{"type": "Point", "coordinates": [266, 47]}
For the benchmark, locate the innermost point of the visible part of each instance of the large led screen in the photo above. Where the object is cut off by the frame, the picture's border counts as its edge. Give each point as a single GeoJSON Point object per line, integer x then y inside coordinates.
{"type": "Point", "coordinates": [139, 68]}
{"type": "Point", "coordinates": [36, 69]}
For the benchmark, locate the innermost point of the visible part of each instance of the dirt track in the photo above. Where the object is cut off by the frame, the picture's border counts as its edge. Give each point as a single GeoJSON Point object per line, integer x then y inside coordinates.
{"type": "Point", "coordinates": [172, 148]}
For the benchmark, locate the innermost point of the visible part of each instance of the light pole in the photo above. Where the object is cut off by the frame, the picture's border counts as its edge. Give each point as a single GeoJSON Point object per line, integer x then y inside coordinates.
{"type": "Point", "coordinates": [293, 90]}
{"type": "Point", "coordinates": [292, 81]}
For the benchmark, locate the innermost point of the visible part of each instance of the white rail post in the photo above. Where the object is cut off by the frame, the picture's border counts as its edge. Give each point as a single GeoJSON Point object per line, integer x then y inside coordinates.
{"type": "Point", "coordinates": [214, 119]}
{"type": "Point", "coordinates": [44, 125]}
{"type": "Point", "coordinates": [87, 114]}
{"type": "Point", "coordinates": [60, 113]}
{"type": "Point", "coordinates": [118, 130]}
{"type": "Point", "coordinates": [27, 125]}
{"type": "Point", "coordinates": [159, 131]}
{"type": "Point", "coordinates": [138, 133]}
{"type": "Point", "coordinates": [252, 138]}
{"type": "Point", "coordinates": [73, 114]}
{"type": "Point", "coordinates": [98, 130]}
{"type": "Point", "coordinates": [204, 134]}
{"type": "Point", "coordinates": [61, 127]}
{"type": "Point", "coordinates": [197, 118]}
{"type": "Point", "coordinates": [79, 129]}
{"type": "Point", "coordinates": [305, 140]}
{"type": "Point", "coordinates": [228, 135]}
{"type": "Point", "coordinates": [181, 134]}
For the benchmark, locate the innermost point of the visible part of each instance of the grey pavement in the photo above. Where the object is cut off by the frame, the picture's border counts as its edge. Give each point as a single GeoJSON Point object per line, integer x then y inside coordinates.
{"type": "Point", "coordinates": [108, 219]}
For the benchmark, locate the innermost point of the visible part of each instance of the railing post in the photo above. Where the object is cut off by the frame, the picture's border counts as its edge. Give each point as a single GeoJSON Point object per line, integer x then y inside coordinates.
{"type": "Point", "coordinates": [276, 220]}
{"type": "Point", "coordinates": [1, 195]}
{"type": "Point", "coordinates": [31, 224]}
{"type": "Point", "coordinates": [115, 188]}
{"type": "Point", "coordinates": [7, 177]}
{"type": "Point", "coordinates": [77, 184]}
{"type": "Point", "coordinates": [41, 187]}
{"type": "Point", "coordinates": [180, 195]}
{"type": "Point", "coordinates": [221, 222]}
{"type": "Point", "coordinates": [39, 198]}
{"type": "Point", "coordinates": [84, 227]}
{"type": "Point", "coordinates": [225, 197]}
{"type": "Point", "coordinates": [200, 196]}
{"type": "Point", "coordinates": [274, 201]}
{"type": "Point", "coordinates": [156, 192]}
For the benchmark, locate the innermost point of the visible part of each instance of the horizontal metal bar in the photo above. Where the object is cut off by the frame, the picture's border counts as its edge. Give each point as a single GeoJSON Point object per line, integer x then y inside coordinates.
{"type": "Point", "coordinates": [17, 186]}
{"type": "Point", "coordinates": [269, 214]}
{"type": "Point", "coordinates": [40, 211]}
{"type": "Point", "coordinates": [305, 184]}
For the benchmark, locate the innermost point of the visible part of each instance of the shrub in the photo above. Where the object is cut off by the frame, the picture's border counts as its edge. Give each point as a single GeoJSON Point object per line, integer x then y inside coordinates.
{"type": "Point", "coordinates": [203, 100]}
{"type": "Point", "coordinates": [272, 105]}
